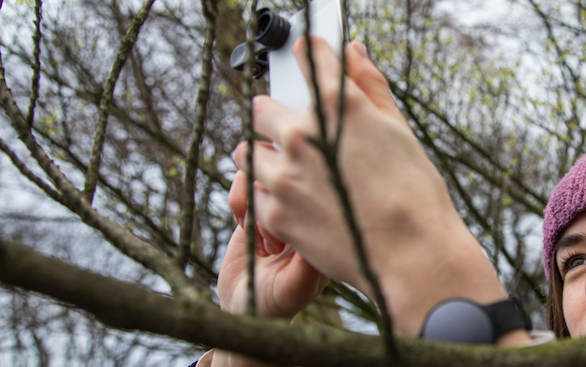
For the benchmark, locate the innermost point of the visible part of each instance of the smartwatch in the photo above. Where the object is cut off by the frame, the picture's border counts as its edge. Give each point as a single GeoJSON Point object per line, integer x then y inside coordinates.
{"type": "Point", "coordinates": [463, 321]}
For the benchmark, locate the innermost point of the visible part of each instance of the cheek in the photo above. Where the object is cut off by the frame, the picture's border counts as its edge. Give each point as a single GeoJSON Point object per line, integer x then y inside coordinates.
{"type": "Point", "coordinates": [574, 305]}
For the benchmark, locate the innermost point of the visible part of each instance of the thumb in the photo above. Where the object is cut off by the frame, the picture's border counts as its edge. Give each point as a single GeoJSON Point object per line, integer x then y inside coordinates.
{"type": "Point", "coordinates": [372, 82]}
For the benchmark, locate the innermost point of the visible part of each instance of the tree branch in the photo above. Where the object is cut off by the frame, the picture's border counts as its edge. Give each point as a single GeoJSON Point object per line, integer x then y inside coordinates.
{"type": "Point", "coordinates": [119, 236]}
{"type": "Point", "coordinates": [126, 45]}
{"type": "Point", "coordinates": [72, 158]}
{"type": "Point", "coordinates": [30, 117]}
{"type": "Point", "coordinates": [248, 93]}
{"type": "Point", "coordinates": [126, 306]}
{"type": "Point", "coordinates": [342, 77]}
{"type": "Point", "coordinates": [329, 152]}
{"type": "Point", "coordinates": [188, 206]}
{"type": "Point", "coordinates": [53, 194]}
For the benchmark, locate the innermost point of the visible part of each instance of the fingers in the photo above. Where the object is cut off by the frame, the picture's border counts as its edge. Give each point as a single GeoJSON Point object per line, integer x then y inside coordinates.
{"type": "Point", "coordinates": [264, 110]}
{"type": "Point", "coordinates": [368, 78]}
{"type": "Point", "coordinates": [327, 65]}
{"type": "Point", "coordinates": [266, 160]}
{"type": "Point", "coordinates": [237, 197]}
{"type": "Point", "coordinates": [270, 117]}
{"type": "Point", "coordinates": [327, 71]}
{"type": "Point", "coordinates": [237, 203]}
{"type": "Point", "coordinates": [305, 272]}
{"type": "Point", "coordinates": [272, 245]}
{"type": "Point", "coordinates": [303, 283]}
{"type": "Point", "coordinates": [282, 125]}
{"type": "Point", "coordinates": [361, 72]}
{"type": "Point", "coordinates": [235, 252]}
{"type": "Point", "coordinates": [269, 244]}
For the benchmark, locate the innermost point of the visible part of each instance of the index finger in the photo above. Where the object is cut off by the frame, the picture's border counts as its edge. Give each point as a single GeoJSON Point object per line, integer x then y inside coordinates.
{"type": "Point", "coordinates": [328, 70]}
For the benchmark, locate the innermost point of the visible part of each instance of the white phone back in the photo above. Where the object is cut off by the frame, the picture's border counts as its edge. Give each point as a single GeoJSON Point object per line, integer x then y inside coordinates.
{"type": "Point", "coordinates": [287, 84]}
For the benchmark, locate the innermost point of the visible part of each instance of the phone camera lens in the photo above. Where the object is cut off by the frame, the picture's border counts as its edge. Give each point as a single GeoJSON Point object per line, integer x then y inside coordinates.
{"type": "Point", "coordinates": [273, 30]}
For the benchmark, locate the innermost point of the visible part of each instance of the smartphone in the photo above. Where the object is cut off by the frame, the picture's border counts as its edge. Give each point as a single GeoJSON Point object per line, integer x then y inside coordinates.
{"type": "Point", "coordinates": [287, 84]}
{"type": "Point", "coordinates": [272, 49]}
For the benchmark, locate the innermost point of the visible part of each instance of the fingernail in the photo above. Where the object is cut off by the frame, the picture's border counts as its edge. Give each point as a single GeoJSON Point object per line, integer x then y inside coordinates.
{"type": "Point", "coordinates": [240, 221]}
{"type": "Point", "coordinates": [255, 101]}
{"type": "Point", "coordinates": [298, 45]}
{"type": "Point", "coordinates": [361, 49]}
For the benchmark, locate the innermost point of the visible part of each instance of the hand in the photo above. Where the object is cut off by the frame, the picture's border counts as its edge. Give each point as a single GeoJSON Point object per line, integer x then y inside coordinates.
{"type": "Point", "coordinates": [389, 176]}
{"type": "Point", "coordinates": [414, 238]}
{"type": "Point", "coordinates": [285, 282]}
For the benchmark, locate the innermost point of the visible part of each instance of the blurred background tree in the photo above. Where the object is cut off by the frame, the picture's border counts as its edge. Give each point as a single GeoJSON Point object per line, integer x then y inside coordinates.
{"type": "Point", "coordinates": [493, 90]}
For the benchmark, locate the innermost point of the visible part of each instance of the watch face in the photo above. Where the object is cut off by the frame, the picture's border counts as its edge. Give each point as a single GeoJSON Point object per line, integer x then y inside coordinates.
{"type": "Point", "coordinates": [459, 321]}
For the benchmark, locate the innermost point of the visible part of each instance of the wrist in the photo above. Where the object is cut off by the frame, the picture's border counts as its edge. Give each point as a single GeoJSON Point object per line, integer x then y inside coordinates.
{"type": "Point", "coordinates": [439, 265]}
{"type": "Point", "coordinates": [513, 338]}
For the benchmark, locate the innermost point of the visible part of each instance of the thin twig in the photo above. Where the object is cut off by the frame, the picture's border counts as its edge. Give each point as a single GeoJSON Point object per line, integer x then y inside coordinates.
{"type": "Point", "coordinates": [367, 309]}
{"type": "Point", "coordinates": [30, 117]}
{"type": "Point", "coordinates": [126, 45]}
{"type": "Point", "coordinates": [358, 240]}
{"type": "Point", "coordinates": [342, 78]}
{"type": "Point", "coordinates": [321, 119]}
{"type": "Point", "coordinates": [329, 152]}
{"type": "Point", "coordinates": [53, 194]}
{"type": "Point", "coordinates": [33, 218]}
{"type": "Point", "coordinates": [248, 93]}
{"type": "Point", "coordinates": [191, 166]}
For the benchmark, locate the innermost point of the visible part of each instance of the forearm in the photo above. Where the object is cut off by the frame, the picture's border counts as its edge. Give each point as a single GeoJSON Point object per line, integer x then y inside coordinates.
{"type": "Point", "coordinates": [441, 262]}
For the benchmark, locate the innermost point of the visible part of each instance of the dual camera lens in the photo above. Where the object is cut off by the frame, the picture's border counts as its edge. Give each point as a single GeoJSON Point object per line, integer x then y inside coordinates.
{"type": "Point", "coordinates": [273, 31]}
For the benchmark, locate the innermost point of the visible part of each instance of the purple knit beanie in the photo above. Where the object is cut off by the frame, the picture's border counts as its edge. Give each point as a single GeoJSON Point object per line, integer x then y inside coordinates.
{"type": "Point", "coordinates": [566, 201]}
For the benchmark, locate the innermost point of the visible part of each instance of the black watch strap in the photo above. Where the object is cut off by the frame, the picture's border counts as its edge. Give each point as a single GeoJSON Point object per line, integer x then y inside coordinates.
{"type": "Point", "coordinates": [463, 321]}
{"type": "Point", "coordinates": [507, 315]}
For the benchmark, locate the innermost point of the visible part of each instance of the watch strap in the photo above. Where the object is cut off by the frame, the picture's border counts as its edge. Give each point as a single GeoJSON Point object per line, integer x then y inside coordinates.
{"type": "Point", "coordinates": [507, 315]}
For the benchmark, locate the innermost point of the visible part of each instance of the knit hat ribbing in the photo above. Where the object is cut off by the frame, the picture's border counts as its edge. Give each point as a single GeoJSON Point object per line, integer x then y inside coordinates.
{"type": "Point", "coordinates": [566, 201]}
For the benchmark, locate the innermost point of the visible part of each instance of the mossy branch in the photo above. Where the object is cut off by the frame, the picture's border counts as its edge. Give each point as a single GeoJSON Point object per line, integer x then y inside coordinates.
{"type": "Point", "coordinates": [125, 306]}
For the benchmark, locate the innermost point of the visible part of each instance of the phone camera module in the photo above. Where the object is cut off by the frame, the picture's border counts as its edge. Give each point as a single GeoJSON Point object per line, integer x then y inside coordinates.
{"type": "Point", "coordinates": [273, 30]}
